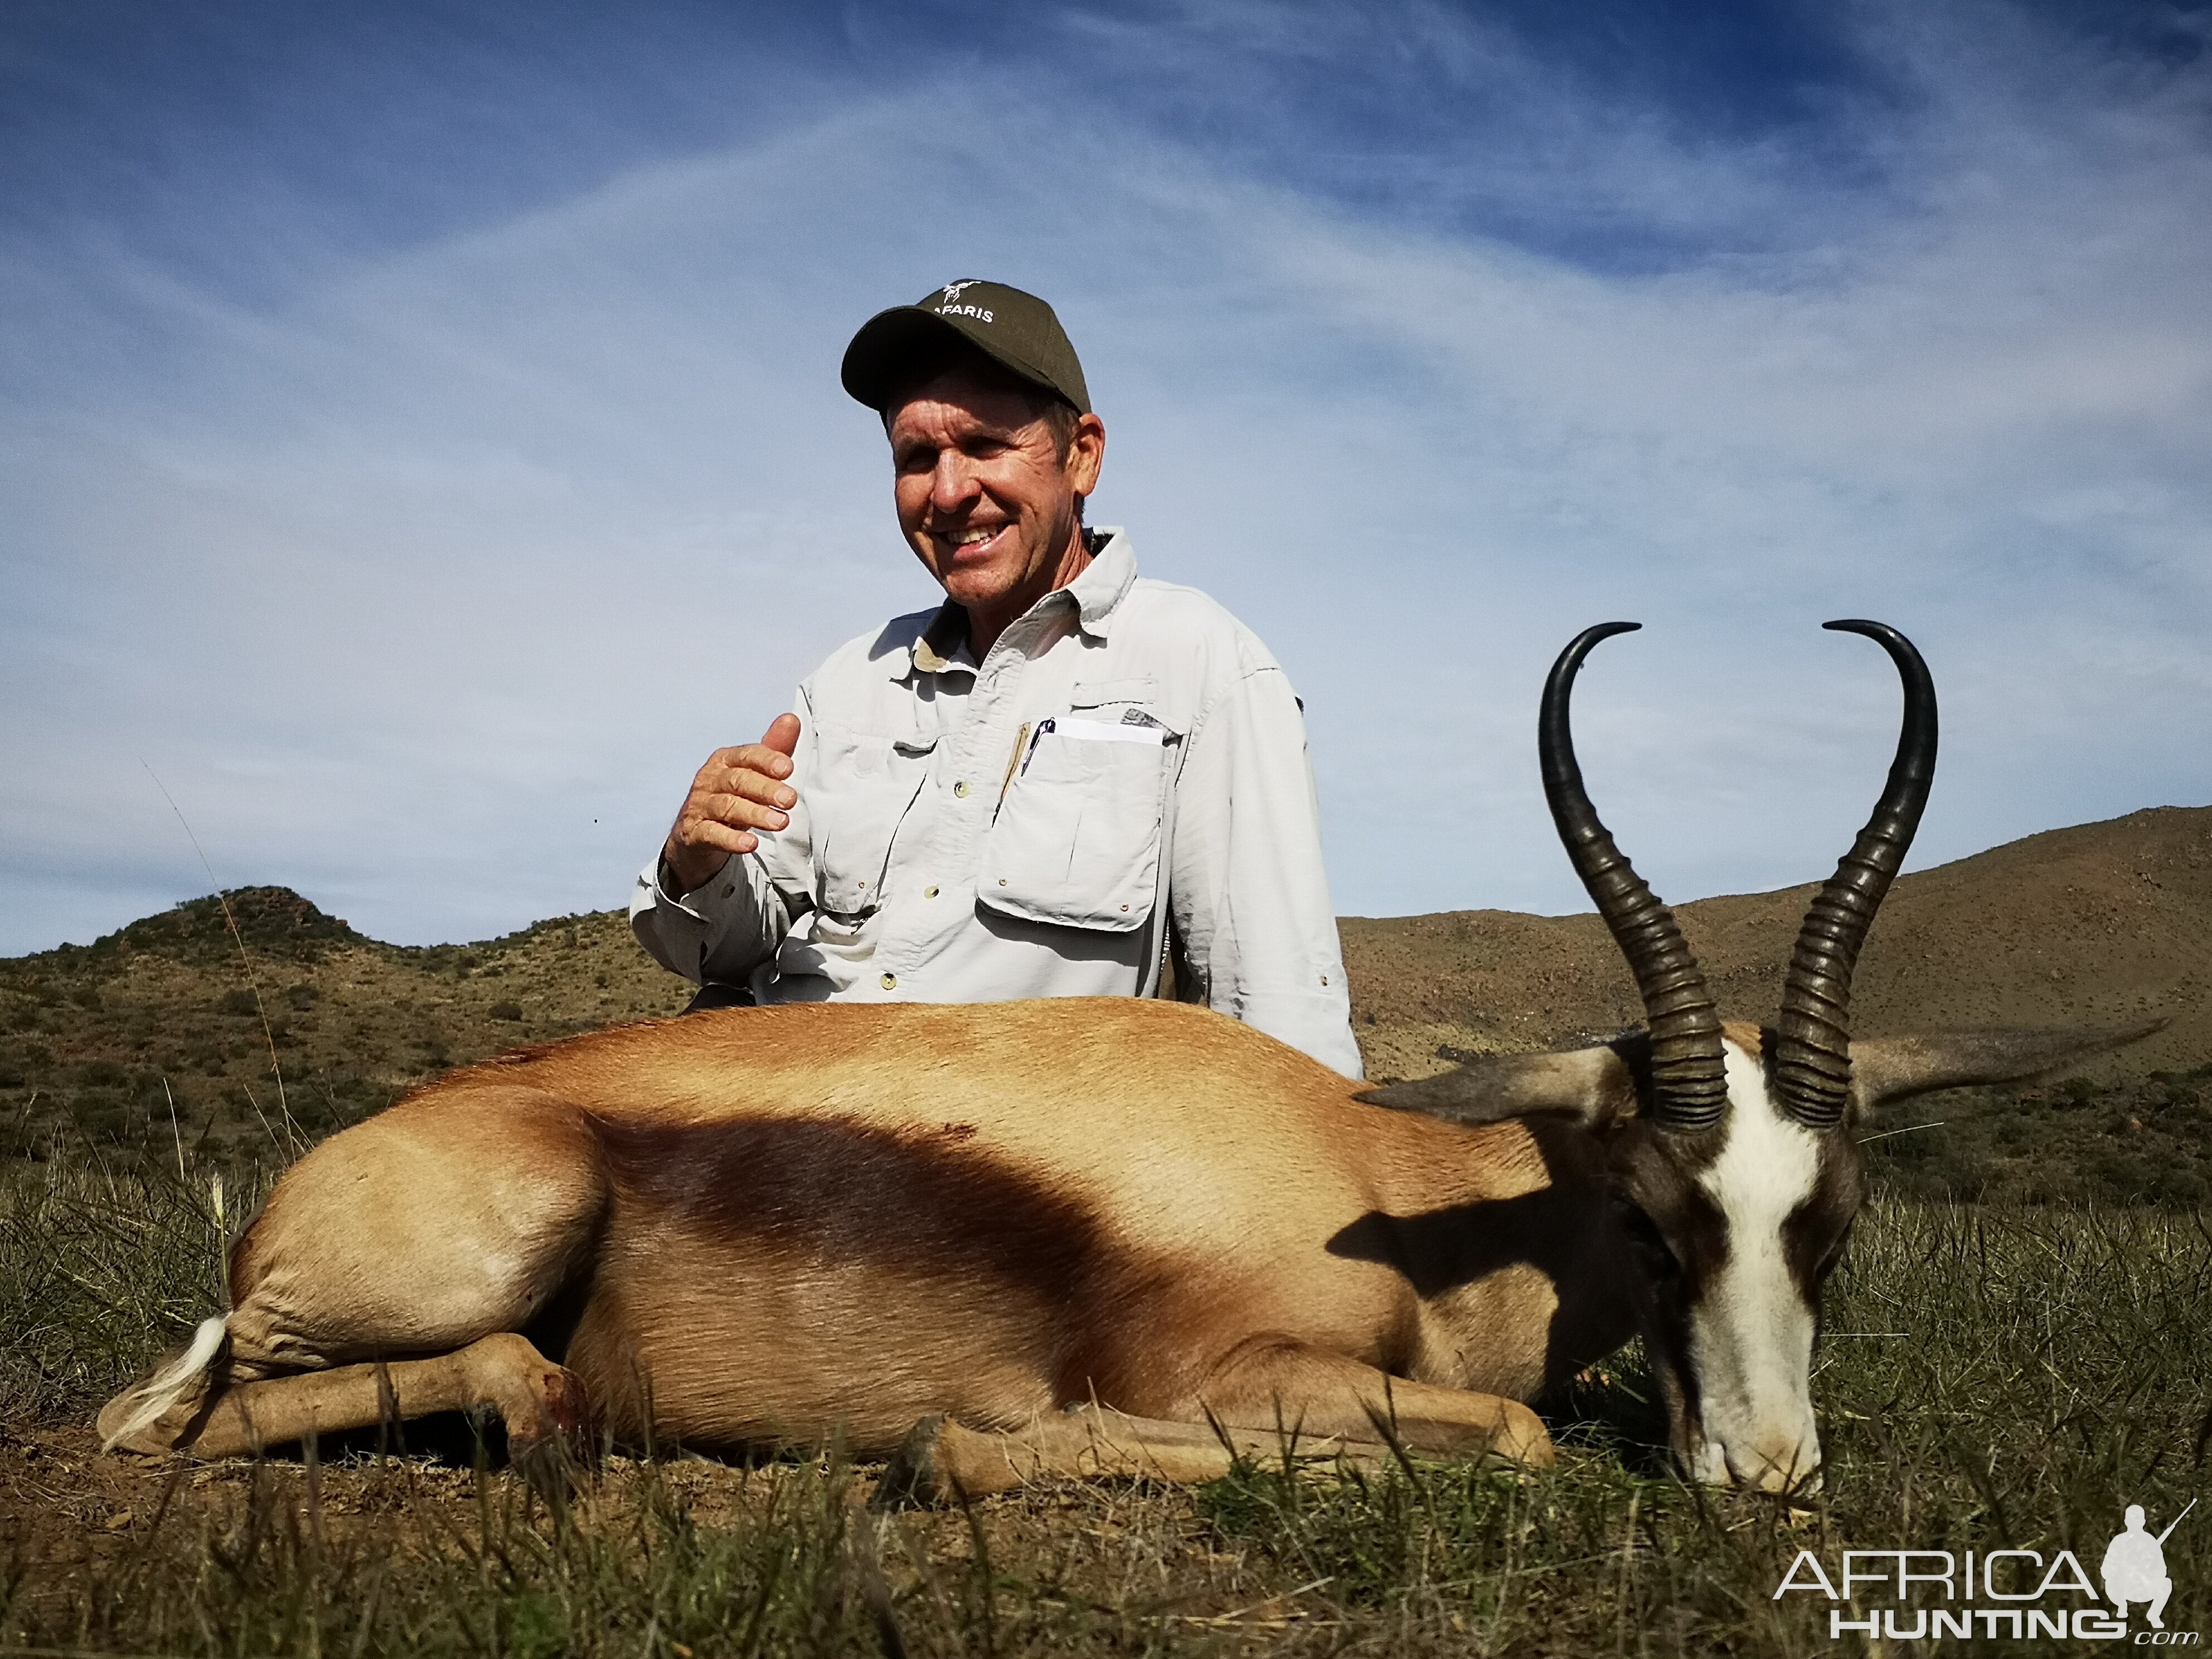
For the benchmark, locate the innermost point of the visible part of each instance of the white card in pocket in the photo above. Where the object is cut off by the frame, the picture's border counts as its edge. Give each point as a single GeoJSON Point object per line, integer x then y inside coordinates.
{"type": "Point", "coordinates": [1102, 732]}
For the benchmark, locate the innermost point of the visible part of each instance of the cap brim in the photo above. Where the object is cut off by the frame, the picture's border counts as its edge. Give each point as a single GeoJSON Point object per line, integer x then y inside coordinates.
{"type": "Point", "coordinates": [891, 340]}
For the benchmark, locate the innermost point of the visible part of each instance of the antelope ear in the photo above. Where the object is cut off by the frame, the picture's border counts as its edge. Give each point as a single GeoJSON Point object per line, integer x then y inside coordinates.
{"type": "Point", "coordinates": [1592, 1086]}
{"type": "Point", "coordinates": [1884, 1069]}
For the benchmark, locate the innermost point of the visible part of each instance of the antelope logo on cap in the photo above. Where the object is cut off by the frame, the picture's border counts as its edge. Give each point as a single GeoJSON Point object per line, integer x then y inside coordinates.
{"type": "Point", "coordinates": [952, 290]}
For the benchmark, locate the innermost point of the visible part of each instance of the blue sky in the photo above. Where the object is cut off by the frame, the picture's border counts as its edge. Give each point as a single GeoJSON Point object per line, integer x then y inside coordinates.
{"type": "Point", "coordinates": [421, 442]}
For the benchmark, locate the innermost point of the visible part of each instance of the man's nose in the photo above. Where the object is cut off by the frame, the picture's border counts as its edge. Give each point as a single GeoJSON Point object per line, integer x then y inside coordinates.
{"type": "Point", "coordinates": [952, 485]}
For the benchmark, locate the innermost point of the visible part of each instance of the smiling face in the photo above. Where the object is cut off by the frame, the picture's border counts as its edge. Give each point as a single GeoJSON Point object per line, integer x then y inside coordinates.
{"type": "Point", "coordinates": [987, 496]}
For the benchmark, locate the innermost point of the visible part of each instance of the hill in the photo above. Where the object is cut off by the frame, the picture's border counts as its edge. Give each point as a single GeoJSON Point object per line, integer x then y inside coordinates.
{"type": "Point", "coordinates": [2100, 923]}
{"type": "Point", "coordinates": [102, 1038]}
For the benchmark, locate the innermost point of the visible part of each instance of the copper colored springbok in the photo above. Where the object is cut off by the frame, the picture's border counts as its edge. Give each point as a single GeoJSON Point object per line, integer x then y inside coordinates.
{"type": "Point", "coordinates": [1091, 1235]}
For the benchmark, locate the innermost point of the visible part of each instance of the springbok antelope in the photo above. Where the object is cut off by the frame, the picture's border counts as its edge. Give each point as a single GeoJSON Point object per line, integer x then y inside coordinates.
{"type": "Point", "coordinates": [1086, 1236]}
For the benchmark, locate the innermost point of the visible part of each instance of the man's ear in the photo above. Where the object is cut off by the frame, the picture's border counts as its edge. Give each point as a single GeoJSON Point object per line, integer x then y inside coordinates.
{"type": "Point", "coordinates": [1086, 453]}
{"type": "Point", "coordinates": [1884, 1069]}
{"type": "Point", "coordinates": [1591, 1085]}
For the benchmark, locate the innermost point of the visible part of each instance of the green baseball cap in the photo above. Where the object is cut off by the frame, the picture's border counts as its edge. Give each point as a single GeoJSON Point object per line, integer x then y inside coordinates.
{"type": "Point", "coordinates": [1015, 330]}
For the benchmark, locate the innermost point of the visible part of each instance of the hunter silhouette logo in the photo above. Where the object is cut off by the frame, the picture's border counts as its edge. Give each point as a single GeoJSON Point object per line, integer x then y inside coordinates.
{"type": "Point", "coordinates": [1921, 1594]}
{"type": "Point", "coordinates": [2134, 1566]}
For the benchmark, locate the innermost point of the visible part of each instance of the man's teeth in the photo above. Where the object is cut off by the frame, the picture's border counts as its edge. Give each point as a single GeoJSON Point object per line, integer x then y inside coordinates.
{"type": "Point", "coordinates": [969, 537]}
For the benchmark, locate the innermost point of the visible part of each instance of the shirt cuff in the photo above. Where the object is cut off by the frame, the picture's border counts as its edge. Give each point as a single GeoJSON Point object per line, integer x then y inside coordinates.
{"type": "Point", "coordinates": [1315, 1023]}
{"type": "Point", "coordinates": [675, 934]}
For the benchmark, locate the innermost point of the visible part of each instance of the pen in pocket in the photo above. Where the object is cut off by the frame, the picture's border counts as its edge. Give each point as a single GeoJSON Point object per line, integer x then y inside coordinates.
{"type": "Point", "coordinates": [1014, 760]}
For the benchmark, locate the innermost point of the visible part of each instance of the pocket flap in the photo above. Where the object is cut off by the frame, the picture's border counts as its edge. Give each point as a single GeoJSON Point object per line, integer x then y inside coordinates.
{"type": "Point", "coordinates": [1077, 842]}
{"type": "Point", "coordinates": [1096, 694]}
{"type": "Point", "coordinates": [862, 785]}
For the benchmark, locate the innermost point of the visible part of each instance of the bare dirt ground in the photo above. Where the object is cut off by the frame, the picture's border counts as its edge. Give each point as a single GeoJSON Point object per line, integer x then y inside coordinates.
{"type": "Point", "coordinates": [71, 1519]}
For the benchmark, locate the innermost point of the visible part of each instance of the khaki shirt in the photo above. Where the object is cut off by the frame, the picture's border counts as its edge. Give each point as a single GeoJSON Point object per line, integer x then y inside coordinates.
{"type": "Point", "coordinates": [1126, 751]}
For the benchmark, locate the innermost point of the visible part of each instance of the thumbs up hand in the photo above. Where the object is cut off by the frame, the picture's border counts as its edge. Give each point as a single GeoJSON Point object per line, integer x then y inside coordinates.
{"type": "Point", "coordinates": [738, 792]}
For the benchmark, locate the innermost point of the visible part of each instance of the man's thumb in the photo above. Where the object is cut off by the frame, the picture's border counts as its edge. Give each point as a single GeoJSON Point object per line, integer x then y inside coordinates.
{"type": "Point", "coordinates": [782, 735]}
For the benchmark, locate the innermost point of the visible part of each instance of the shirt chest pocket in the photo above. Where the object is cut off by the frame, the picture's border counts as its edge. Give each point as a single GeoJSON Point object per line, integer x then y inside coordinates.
{"type": "Point", "coordinates": [1077, 839]}
{"type": "Point", "coordinates": [863, 784]}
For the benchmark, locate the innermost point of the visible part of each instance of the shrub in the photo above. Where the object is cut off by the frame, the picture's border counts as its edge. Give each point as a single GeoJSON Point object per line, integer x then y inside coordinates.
{"type": "Point", "coordinates": [505, 1010]}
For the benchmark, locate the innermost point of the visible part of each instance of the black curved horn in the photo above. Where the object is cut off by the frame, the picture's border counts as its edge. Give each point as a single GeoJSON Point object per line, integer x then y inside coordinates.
{"type": "Point", "coordinates": [1813, 1052]}
{"type": "Point", "coordinates": [1689, 1072]}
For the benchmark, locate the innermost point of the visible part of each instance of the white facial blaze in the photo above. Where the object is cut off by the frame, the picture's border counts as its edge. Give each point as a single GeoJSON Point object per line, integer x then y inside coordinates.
{"type": "Point", "coordinates": [1751, 1332]}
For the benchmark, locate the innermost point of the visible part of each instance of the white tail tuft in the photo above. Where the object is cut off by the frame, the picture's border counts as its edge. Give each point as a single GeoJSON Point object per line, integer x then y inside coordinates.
{"type": "Point", "coordinates": [171, 1383]}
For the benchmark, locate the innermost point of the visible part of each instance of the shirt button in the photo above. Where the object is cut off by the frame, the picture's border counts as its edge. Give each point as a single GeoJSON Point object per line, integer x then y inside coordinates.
{"type": "Point", "coordinates": [1002, 881]}
{"type": "Point", "coordinates": [889, 982]}
{"type": "Point", "coordinates": [960, 789]}
{"type": "Point", "coordinates": [929, 893]}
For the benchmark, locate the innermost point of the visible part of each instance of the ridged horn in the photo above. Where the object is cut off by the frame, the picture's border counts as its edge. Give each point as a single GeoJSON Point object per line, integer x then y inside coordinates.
{"type": "Point", "coordinates": [1813, 1047]}
{"type": "Point", "coordinates": [1689, 1072]}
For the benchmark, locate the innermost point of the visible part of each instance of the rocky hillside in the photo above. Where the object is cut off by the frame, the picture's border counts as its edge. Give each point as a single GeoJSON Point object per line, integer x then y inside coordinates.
{"type": "Point", "coordinates": [290, 1027]}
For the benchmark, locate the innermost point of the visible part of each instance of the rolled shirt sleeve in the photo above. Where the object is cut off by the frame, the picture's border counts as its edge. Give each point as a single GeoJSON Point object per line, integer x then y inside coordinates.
{"type": "Point", "coordinates": [1250, 895]}
{"type": "Point", "coordinates": [722, 932]}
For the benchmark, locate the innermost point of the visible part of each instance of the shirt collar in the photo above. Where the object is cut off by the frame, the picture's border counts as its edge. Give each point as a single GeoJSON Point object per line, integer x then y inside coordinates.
{"type": "Point", "coordinates": [1097, 593]}
{"type": "Point", "coordinates": [1105, 582]}
{"type": "Point", "coordinates": [942, 645]}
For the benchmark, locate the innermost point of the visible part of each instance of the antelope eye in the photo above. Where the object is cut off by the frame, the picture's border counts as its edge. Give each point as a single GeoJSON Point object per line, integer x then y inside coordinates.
{"type": "Point", "coordinates": [1832, 1256]}
{"type": "Point", "coordinates": [1646, 1240]}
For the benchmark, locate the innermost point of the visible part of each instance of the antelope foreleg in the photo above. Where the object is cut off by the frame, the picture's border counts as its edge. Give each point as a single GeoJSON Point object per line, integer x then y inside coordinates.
{"type": "Point", "coordinates": [1271, 1382]}
{"type": "Point", "coordinates": [542, 1405]}
{"type": "Point", "coordinates": [942, 1460]}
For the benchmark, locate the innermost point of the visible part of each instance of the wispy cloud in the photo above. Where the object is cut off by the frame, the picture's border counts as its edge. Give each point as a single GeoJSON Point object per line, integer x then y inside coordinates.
{"type": "Point", "coordinates": [425, 556]}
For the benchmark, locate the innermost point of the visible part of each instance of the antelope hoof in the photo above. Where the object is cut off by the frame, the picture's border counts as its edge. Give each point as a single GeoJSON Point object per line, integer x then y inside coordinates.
{"type": "Point", "coordinates": [941, 1462]}
{"type": "Point", "coordinates": [172, 1431]}
{"type": "Point", "coordinates": [1522, 1438]}
{"type": "Point", "coordinates": [914, 1475]}
{"type": "Point", "coordinates": [552, 1468]}
{"type": "Point", "coordinates": [549, 1429]}
{"type": "Point", "coordinates": [553, 1411]}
